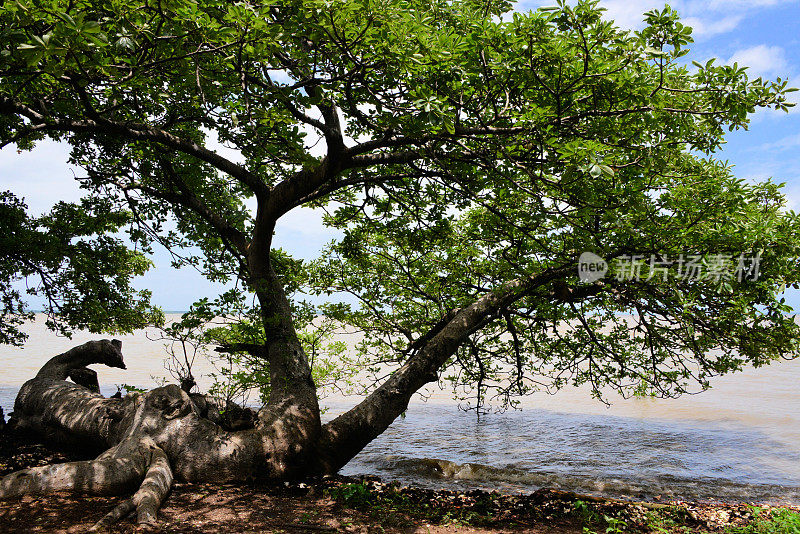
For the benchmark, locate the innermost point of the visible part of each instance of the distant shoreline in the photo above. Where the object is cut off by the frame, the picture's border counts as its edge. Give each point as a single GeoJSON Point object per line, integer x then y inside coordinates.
{"type": "Point", "coordinates": [167, 312]}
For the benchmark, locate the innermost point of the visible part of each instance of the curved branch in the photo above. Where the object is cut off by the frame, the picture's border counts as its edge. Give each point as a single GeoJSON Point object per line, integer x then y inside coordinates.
{"type": "Point", "coordinates": [137, 132]}
{"type": "Point", "coordinates": [349, 433]}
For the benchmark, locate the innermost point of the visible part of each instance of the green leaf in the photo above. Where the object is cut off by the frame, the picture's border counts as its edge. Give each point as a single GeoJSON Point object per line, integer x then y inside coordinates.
{"type": "Point", "coordinates": [91, 27]}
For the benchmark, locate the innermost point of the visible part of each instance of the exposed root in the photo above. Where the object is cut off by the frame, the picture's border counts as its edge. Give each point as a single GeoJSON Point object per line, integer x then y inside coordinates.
{"type": "Point", "coordinates": [120, 512]}
{"type": "Point", "coordinates": [145, 502]}
{"type": "Point", "coordinates": [118, 470]}
{"type": "Point", "coordinates": [153, 437]}
{"type": "Point", "coordinates": [103, 476]}
{"type": "Point", "coordinates": [155, 486]}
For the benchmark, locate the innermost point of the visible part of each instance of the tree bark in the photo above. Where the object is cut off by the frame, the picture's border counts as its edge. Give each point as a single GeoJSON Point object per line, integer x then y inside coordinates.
{"type": "Point", "coordinates": [149, 439]}
{"type": "Point", "coordinates": [291, 414]}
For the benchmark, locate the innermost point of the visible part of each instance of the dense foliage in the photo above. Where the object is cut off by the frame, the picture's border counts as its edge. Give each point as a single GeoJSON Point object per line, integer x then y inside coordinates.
{"type": "Point", "coordinates": [68, 258]}
{"type": "Point", "coordinates": [459, 152]}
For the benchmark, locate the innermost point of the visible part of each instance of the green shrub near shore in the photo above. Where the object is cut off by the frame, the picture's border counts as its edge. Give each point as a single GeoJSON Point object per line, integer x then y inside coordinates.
{"type": "Point", "coordinates": [776, 521]}
{"type": "Point", "coordinates": [390, 505]}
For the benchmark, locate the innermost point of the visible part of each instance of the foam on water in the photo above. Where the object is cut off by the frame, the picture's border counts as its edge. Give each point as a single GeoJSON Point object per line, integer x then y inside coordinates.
{"type": "Point", "coordinates": [605, 455]}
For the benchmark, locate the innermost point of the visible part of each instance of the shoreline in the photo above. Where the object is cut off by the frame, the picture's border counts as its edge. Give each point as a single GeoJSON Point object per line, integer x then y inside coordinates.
{"type": "Point", "coordinates": [363, 505]}
{"type": "Point", "coordinates": [739, 440]}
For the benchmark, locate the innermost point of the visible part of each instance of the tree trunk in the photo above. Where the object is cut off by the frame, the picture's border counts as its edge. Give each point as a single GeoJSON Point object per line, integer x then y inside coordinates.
{"type": "Point", "coordinates": [348, 434]}
{"type": "Point", "coordinates": [292, 411]}
{"type": "Point", "coordinates": [148, 439]}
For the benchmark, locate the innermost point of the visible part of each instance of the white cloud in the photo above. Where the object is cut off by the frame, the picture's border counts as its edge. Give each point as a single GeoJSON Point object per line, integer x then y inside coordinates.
{"type": "Point", "coordinates": [305, 221]}
{"type": "Point", "coordinates": [704, 23]}
{"type": "Point", "coordinates": [703, 28]}
{"type": "Point", "coordinates": [302, 233]}
{"type": "Point", "coordinates": [788, 142]}
{"type": "Point", "coordinates": [707, 17]}
{"type": "Point", "coordinates": [629, 14]}
{"type": "Point", "coordinates": [770, 113]}
{"type": "Point", "coordinates": [792, 194]}
{"type": "Point", "coordinates": [769, 62]}
{"type": "Point", "coordinates": [762, 60]}
{"type": "Point", "coordinates": [41, 176]}
{"type": "Point", "coordinates": [625, 13]}
{"type": "Point", "coordinates": [727, 5]}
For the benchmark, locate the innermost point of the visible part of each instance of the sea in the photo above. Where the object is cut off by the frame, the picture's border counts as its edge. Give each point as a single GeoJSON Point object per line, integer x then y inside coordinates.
{"type": "Point", "coordinates": [737, 442]}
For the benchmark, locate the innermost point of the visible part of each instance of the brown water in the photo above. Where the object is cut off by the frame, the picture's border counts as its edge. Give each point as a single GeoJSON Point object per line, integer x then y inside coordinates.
{"type": "Point", "coordinates": [739, 441]}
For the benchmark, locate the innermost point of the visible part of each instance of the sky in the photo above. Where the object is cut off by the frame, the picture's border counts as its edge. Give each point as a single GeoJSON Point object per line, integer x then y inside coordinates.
{"type": "Point", "coordinates": [762, 34]}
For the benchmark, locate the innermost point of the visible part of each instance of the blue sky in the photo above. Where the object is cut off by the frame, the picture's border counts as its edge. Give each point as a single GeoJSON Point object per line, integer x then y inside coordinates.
{"type": "Point", "coordinates": [760, 33]}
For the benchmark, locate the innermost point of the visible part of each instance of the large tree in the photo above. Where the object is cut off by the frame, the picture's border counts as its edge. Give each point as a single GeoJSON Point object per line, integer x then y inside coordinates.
{"type": "Point", "coordinates": [467, 155]}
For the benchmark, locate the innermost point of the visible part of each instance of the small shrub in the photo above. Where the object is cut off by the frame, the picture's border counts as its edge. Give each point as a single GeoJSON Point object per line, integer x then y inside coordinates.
{"type": "Point", "coordinates": [779, 521]}
{"type": "Point", "coordinates": [354, 495]}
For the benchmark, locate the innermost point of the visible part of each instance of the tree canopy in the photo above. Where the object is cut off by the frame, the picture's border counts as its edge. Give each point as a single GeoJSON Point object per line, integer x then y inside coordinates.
{"type": "Point", "coordinates": [468, 155]}
{"type": "Point", "coordinates": [70, 258]}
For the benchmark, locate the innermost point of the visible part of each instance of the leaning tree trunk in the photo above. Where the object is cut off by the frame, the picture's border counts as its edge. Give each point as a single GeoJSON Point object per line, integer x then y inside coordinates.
{"type": "Point", "coordinates": [149, 439]}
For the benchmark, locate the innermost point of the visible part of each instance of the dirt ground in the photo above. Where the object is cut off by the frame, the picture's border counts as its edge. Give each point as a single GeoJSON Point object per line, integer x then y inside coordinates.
{"type": "Point", "coordinates": [201, 508]}
{"type": "Point", "coordinates": [227, 509]}
{"type": "Point", "coordinates": [355, 506]}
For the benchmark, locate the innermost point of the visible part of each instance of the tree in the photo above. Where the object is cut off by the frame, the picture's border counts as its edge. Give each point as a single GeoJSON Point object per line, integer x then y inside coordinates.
{"type": "Point", "coordinates": [468, 160]}
{"type": "Point", "coordinates": [82, 272]}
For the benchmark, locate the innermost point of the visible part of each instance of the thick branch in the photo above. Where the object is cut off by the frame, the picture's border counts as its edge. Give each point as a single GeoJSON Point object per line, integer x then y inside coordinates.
{"type": "Point", "coordinates": [346, 435]}
{"type": "Point", "coordinates": [390, 141]}
{"type": "Point", "coordinates": [189, 200]}
{"type": "Point", "coordinates": [137, 132]}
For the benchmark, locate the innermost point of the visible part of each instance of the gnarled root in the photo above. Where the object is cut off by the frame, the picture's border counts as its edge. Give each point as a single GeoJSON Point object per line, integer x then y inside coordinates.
{"type": "Point", "coordinates": [154, 436]}
{"type": "Point", "coordinates": [147, 500]}
{"type": "Point", "coordinates": [134, 462]}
